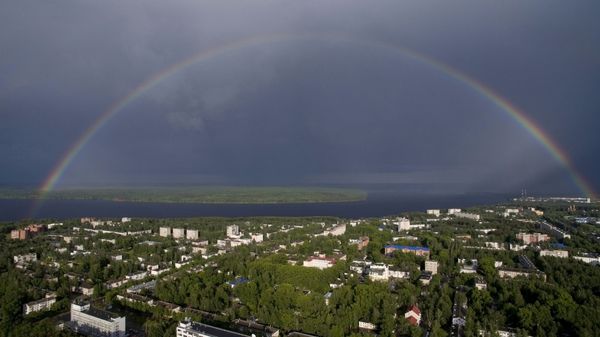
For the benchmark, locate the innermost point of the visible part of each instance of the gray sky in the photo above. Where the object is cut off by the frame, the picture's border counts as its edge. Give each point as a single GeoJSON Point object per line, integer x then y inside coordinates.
{"type": "Point", "coordinates": [300, 111]}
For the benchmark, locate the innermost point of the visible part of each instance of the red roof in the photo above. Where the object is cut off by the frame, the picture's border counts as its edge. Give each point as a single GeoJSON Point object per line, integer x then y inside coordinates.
{"type": "Point", "coordinates": [412, 321]}
{"type": "Point", "coordinates": [415, 309]}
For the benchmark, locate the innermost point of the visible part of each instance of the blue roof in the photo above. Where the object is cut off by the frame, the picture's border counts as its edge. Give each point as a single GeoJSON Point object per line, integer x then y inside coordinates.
{"type": "Point", "coordinates": [407, 247]}
{"type": "Point", "coordinates": [237, 281]}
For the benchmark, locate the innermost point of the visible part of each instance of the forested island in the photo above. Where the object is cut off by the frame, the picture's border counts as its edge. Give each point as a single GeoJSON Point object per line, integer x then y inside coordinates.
{"type": "Point", "coordinates": [196, 194]}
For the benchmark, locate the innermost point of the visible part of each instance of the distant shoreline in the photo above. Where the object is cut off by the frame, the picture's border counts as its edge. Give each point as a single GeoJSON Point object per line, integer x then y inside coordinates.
{"type": "Point", "coordinates": [196, 195]}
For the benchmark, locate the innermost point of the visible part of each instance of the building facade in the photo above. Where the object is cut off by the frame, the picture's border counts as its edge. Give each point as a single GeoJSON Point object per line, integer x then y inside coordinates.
{"type": "Point", "coordinates": [39, 305]}
{"type": "Point", "coordinates": [195, 329]}
{"type": "Point", "coordinates": [94, 322]}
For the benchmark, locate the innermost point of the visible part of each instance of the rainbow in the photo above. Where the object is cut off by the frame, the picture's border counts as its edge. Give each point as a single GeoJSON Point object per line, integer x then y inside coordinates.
{"type": "Point", "coordinates": [517, 115]}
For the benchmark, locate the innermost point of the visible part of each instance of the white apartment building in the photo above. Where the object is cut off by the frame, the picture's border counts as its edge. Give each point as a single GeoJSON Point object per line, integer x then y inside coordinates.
{"type": "Point", "coordinates": [319, 262]}
{"type": "Point", "coordinates": [233, 231]}
{"type": "Point", "coordinates": [191, 234]}
{"type": "Point", "coordinates": [165, 231]}
{"type": "Point", "coordinates": [195, 329]}
{"type": "Point", "coordinates": [555, 253]}
{"type": "Point", "coordinates": [383, 272]}
{"type": "Point", "coordinates": [403, 224]}
{"type": "Point", "coordinates": [25, 258]}
{"type": "Point", "coordinates": [39, 305]}
{"type": "Point", "coordinates": [454, 210]}
{"type": "Point", "coordinates": [257, 237]}
{"type": "Point", "coordinates": [94, 322]}
{"type": "Point", "coordinates": [178, 233]}
{"type": "Point", "coordinates": [469, 216]}
{"type": "Point", "coordinates": [431, 266]}
{"type": "Point", "coordinates": [435, 212]}
{"type": "Point", "coordinates": [336, 230]}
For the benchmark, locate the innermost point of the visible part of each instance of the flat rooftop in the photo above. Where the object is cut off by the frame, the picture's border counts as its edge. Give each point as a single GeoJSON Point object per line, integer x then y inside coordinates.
{"type": "Point", "coordinates": [214, 331]}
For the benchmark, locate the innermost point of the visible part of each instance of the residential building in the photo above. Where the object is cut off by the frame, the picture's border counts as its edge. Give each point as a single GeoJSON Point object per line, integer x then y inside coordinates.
{"type": "Point", "coordinates": [383, 272]}
{"type": "Point", "coordinates": [39, 305]}
{"type": "Point", "coordinates": [320, 262]}
{"type": "Point", "coordinates": [554, 230]}
{"type": "Point", "coordinates": [195, 329]}
{"type": "Point", "coordinates": [589, 258]}
{"type": "Point", "coordinates": [137, 276]}
{"type": "Point", "coordinates": [480, 283]}
{"type": "Point", "coordinates": [425, 278]}
{"type": "Point", "coordinates": [513, 272]}
{"type": "Point", "coordinates": [431, 266]}
{"type": "Point", "coordinates": [529, 238]}
{"type": "Point", "coordinates": [191, 234]}
{"type": "Point", "coordinates": [233, 231]}
{"type": "Point", "coordinates": [361, 242]}
{"type": "Point", "coordinates": [336, 230]}
{"type": "Point", "coordinates": [125, 219]}
{"type": "Point", "coordinates": [417, 250]}
{"type": "Point", "coordinates": [90, 321]}
{"type": "Point", "coordinates": [470, 216]}
{"type": "Point", "coordinates": [435, 212]}
{"type": "Point", "coordinates": [468, 266]}
{"type": "Point", "coordinates": [257, 237]}
{"type": "Point", "coordinates": [359, 266]}
{"type": "Point", "coordinates": [555, 253]}
{"type": "Point", "coordinates": [403, 224]}
{"type": "Point", "coordinates": [510, 212]}
{"type": "Point", "coordinates": [178, 233]}
{"type": "Point", "coordinates": [25, 258]}
{"type": "Point", "coordinates": [454, 211]}
{"type": "Point", "coordinates": [165, 231]}
{"type": "Point", "coordinates": [413, 315]}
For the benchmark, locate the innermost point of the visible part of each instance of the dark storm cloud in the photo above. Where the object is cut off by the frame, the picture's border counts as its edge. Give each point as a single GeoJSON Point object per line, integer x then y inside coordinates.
{"type": "Point", "coordinates": [299, 111]}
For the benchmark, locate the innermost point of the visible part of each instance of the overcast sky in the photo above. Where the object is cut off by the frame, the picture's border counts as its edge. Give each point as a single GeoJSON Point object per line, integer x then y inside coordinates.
{"type": "Point", "coordinates": [309, 111]}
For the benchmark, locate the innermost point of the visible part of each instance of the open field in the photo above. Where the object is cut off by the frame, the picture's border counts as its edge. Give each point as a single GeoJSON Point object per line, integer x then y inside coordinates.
{"type": "Point", "coordinates": [201, 194]}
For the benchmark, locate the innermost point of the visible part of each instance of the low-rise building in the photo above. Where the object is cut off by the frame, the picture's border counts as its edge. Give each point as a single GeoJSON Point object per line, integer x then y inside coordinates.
{"type": "Point", "coordinates": [25, 258]}
{"type": "Point", "coordinates": [39, 305]}
{"type": "Point", "coordinates": [589, 258]}
{"type": "Point", "coordinates": [529, 238]}
{"type": "Point", "coordinates": [435, 212]}
{"type": "Point", "coordinates": [431, 266]}
{"type": "Point", "coordinates": [413, 315]}
{"type": "Point", "coordinates": [359, 266]}
{"type": "Point", "coordinates": [416, 250]}
{"type": "Point", "coordinates": [195, 329]}
{"type": "Point", "coordinates": [383, 272]}
{"type": "Point", "coordinates": [514, 272]}
{"type": "Point", "coordinates": [470, 216]}
{"type": "Point", "coordinates": [90, 321]}
{"type": "Point", "coordinates": [555, 253]}
{"type": "Point", "coordinates": [320, 262]}
{"type": "Point", "coordinates": [336, 230]}
{"type": "Point", "coordinates": [555, 231]}
{"type": "Point", "coordinates": [361, 242]}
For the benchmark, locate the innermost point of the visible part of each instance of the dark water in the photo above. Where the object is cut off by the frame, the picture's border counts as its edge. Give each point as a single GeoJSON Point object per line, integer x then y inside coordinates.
{"type": "Point", "coordinates": [379, 204]}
